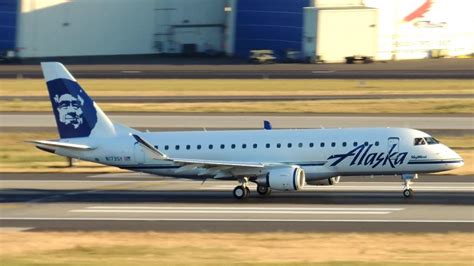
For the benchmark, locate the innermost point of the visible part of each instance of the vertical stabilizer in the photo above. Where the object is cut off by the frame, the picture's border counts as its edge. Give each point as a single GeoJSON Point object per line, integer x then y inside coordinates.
{"type": "Point", "coordinates": [77, 115]}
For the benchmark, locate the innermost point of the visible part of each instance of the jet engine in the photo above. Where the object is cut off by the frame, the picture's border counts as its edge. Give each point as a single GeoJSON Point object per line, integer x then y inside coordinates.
{"type": "Point", "coordinates": [287, 178]}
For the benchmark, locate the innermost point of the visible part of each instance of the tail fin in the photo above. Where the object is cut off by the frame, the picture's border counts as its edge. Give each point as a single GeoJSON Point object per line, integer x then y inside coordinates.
{"type": "Point", "coordinates": [77, 115]}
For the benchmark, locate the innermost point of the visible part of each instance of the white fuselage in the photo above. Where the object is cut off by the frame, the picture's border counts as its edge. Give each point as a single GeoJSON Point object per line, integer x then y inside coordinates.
{"type": "Point", "coordinates": [322, 153]}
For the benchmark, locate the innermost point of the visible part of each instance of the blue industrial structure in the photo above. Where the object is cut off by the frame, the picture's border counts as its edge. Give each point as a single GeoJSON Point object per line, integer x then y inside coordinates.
{"type": "Point", "coordinates": [269, 24]}
{"type": "Point", "coordinates": [8, 17]}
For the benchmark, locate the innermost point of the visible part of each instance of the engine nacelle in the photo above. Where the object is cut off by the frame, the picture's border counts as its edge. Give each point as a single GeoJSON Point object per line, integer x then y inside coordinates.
{"type": "Point", "coordinates": [287, 178]}
{"type": "Point", "coordinates": [325, 182]}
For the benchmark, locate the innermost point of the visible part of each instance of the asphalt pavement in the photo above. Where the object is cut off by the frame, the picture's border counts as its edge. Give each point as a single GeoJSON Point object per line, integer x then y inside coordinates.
{"type": "Point", "coordinates": [139, 202]}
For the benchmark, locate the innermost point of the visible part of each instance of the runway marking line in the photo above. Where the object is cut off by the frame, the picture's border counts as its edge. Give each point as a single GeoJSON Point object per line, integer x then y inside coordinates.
{"type": "Point", "coordinates": [228, 220]}
{"type": "Point", "coordinates": [234, 210]}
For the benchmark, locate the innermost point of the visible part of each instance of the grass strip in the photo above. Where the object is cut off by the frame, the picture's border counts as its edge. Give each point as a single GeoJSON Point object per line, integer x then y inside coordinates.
{"type": "Point", "coordinates": [397, 106]}
{"type": "Point", "coordinates": [188, 87]}
{"type": "Point", "coordinates": [153, 248]}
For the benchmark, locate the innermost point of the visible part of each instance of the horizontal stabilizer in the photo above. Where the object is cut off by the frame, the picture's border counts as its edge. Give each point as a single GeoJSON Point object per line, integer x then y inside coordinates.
{"type": "Point", "coordinates": [58, 144]}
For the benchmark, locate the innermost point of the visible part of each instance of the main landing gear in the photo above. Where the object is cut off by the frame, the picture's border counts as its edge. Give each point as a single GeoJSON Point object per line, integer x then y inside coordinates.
{"type": "Point", "coordinates": [242, 191]}
{"type": "Point", "coordinates": [407, 180]}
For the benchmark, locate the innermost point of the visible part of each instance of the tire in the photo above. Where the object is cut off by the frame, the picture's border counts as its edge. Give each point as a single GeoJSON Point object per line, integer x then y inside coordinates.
{"type": "Point", "coordinates": [408, 193]}
{"type": "Point", "coordinates": [263, 190]}
{"type": "Point", "coordinates": [240, 192]}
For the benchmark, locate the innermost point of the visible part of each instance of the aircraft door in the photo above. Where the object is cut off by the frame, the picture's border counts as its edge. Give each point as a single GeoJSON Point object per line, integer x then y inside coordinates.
{"type": "Point", "coordinates": [393, 141]}
{"type": "Point", "coordinates": [138, 153]}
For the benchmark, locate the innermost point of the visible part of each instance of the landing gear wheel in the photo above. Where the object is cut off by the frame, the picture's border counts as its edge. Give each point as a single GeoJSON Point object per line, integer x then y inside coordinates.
{"type": "Point", "coordinates": [408, 193]}
{"type": "Point", "coordinates": [263, 190]}
{"type": "Point", "coordinates": [241, 192]}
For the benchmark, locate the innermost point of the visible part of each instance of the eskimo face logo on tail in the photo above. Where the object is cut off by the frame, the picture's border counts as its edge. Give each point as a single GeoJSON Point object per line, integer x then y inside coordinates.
{"type": "Point", "coordinates": [361, 155]}
{"type": "Point", "coordinates": [70, 109]}
{"type": "Point", "coordinates": [74, 110]}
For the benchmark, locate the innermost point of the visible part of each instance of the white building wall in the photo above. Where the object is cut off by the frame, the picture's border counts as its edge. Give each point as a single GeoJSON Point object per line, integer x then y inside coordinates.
{"type": "Point", "coordinates": [114, 27]}
{"type": "Point", "coordinates": [442, 24]}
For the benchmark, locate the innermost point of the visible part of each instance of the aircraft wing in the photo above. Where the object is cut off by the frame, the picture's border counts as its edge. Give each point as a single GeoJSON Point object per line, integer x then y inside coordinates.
{"type": "Point", "coordinates": [215, 167]}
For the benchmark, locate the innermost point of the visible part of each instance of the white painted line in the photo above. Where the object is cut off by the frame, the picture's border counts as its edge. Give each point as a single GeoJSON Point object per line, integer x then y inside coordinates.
{"type": "Point", "coordinates": [229, 220]}
{"type": "Point", "coordinates": [232, 212]}
{"type": "Point", "coordinates": [245, 208]}
{"type": "Point", "coordinates": [15, 229]}
{"type": "Point", "coordinates": [130, 71]}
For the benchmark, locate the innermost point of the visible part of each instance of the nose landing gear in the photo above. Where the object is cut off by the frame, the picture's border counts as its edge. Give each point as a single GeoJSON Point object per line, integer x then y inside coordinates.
{"type": "Point", "coordinates": [407, 180]}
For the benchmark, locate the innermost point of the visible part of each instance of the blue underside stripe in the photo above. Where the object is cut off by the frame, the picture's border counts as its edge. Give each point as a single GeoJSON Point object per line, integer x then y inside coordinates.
{"type": "Point", "coordinates": [435, 162]}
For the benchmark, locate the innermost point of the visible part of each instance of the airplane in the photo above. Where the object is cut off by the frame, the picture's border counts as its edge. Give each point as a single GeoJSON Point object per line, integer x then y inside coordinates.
{"type": "Point", "coordinates": [276, 159]}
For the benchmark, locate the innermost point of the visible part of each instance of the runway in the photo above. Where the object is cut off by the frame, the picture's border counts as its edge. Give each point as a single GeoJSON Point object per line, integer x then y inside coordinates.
{"type": "Point", "coordinates": [225, 68]}
{"type": "Point", "coordinates": [239, 121]}
{"type": "Point", "coordinates": [139, 202]}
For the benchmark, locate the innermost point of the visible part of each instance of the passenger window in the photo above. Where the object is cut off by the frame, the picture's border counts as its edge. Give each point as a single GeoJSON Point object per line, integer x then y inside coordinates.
{"type": "Point", "coordinates": [156, 146]}
{"type": "Point", "coordinates": [255, 145]}
{"type": "Point", "coordinates": [300, 145]}
{"type": "Point", "coordinates": [267, 145]}
{"type": "Point", "coordinates": [176, 147]}
{"type": "Point", "coordinates": [419, 141]}
{"type": "Point", "coordinates": [222, 146]}
{"type": "Point", "coordinates": [344, 144]}
{"type": "Point", "coordinates": [244, 146]}
{"type": "Point", "coordinates": [333, 144]}
{"type": "Point", "coordinates": [289, 145]}
{"type": "Point", "coordinates": [355, 144]}
{"type": "Point", "coordinates": [377, 143]}
{"type": "Point", "coordinates": [232, 146]}
{"type": "Point", "coordinates": [167, 147]}
{"type": "Point", "coordinates": [311, 145]}
{"type": "Point", "coordinates": [188, 147]}
{"type": "Point", "coordinates": [210, 146]}
{"type": "Point", "coordinates": [198, 147]}
{"type": "Point", "coordinates": [322, 144]}
{"type": "Point", "coordinates": [278, 145]}
{"type": "Point", "coordinates": [366, 143]}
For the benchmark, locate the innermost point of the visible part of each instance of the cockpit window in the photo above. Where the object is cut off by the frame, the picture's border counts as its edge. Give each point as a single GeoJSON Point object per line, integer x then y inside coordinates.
{"type": "Point", "coordinates": [419, 141]}
{"type": "Point", "coordinates": [431, 141]}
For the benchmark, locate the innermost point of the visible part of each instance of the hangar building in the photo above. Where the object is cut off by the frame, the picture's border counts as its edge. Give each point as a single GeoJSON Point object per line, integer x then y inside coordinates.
{"type": "Point", "coordinates": [330, 29]}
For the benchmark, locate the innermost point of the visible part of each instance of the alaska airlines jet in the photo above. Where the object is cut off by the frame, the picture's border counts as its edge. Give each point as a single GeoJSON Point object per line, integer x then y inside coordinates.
{"type": "Point", "coordinates": [273, 159]}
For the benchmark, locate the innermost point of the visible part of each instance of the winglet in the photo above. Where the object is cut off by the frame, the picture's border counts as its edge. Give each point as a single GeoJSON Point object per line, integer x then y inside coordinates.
{"type": "Point", "coordinates": [150, 148]}
{"type": "Point", "coordinates": [267, 125]}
